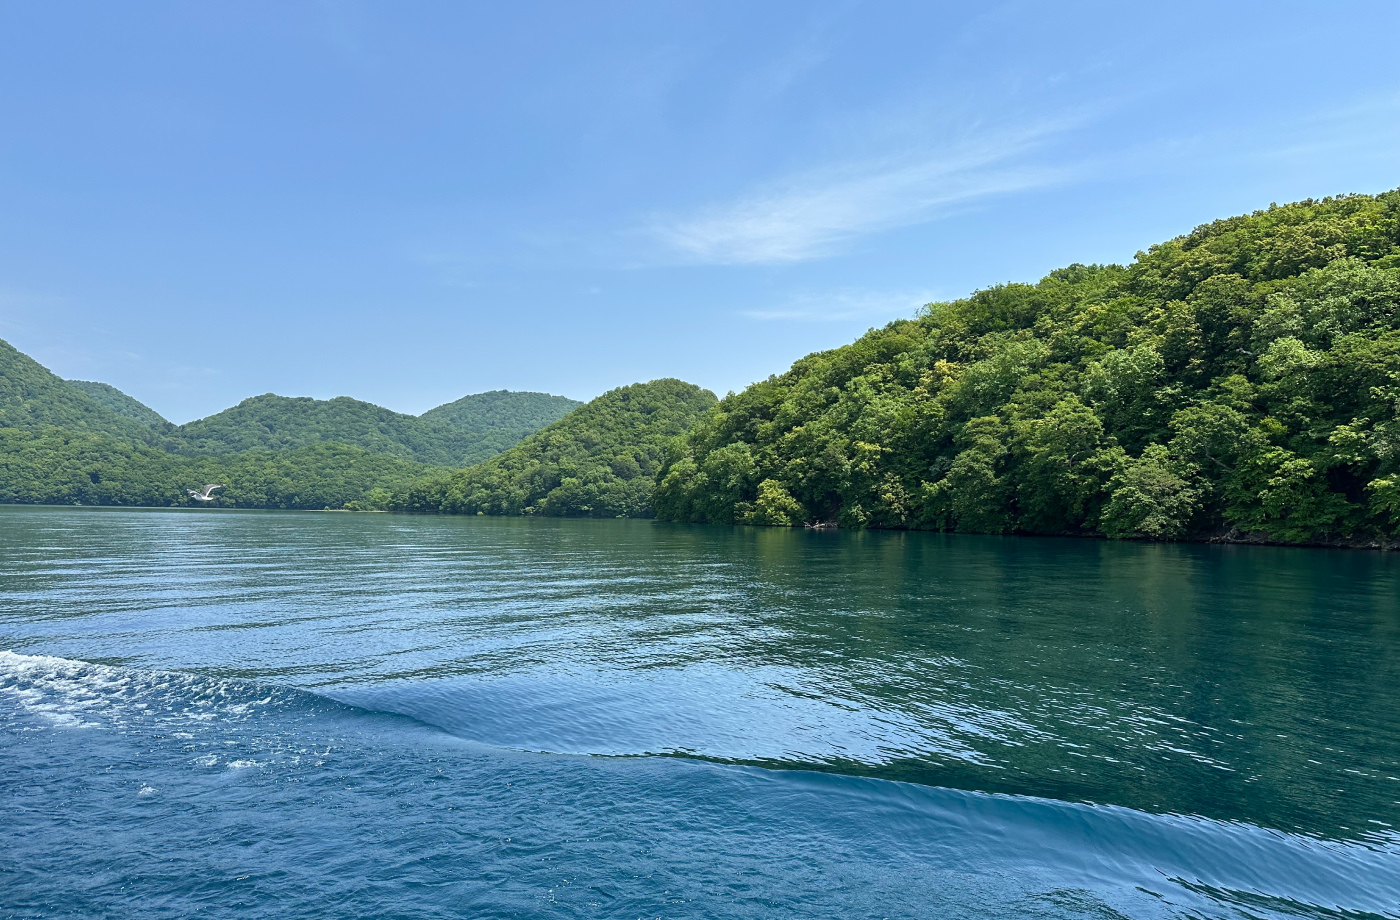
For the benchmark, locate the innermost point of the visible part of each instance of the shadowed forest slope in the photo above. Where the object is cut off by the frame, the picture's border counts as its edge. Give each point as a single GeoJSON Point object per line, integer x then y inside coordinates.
{"type": "Point", "coordinates": [501, 419]}
{"type": "Point", "coordinates": [107, 395]}
{"type": "Point", "coordinates": [33, 397]}
{"type": "Point", "coordinates": [55, 466]}
{"type": "Point", "coordinates": [271, 422]}
{"type": "Point", "coordinates": [599, 461]}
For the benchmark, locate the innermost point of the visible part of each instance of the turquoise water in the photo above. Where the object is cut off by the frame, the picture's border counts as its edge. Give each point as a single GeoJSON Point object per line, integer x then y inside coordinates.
{"type": "Point", "coordinates": [334, 715]}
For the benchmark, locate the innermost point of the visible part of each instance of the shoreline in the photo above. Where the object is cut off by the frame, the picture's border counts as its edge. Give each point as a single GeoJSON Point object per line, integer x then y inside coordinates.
{"type": "Point", "coordinates": [1230, 537]}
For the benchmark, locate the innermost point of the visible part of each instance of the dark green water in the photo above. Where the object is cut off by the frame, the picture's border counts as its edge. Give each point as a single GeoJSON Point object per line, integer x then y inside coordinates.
{"type": "Point", "coordinates": [878, 724]}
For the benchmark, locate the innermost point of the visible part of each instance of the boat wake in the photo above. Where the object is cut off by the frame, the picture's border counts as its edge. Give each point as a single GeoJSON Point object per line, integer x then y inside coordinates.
{"type": "Point", "coordinates": [120, 771]}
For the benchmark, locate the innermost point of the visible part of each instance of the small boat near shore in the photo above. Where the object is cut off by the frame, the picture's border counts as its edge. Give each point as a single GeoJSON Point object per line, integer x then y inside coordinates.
{"type": "Point", "coordinates": [821, 525]}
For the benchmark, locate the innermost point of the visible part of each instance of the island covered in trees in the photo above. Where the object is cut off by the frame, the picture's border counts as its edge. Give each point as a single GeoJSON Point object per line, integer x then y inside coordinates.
{"type": "Point", "coordinates": [1241, 382]}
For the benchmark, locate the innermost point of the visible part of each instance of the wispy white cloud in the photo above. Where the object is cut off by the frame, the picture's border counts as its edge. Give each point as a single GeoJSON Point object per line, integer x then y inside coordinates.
{"type": "Point", "coordinates": [1368, 123]}
{"type": "Point", "coordinates": [814, 214]}
{"type": "Point", "coordinates": [843, 306]}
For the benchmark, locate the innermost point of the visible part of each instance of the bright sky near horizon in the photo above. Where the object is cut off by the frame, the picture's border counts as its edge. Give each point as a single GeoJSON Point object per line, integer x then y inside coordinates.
{"type": "Point", "coordinates": [408, 202]}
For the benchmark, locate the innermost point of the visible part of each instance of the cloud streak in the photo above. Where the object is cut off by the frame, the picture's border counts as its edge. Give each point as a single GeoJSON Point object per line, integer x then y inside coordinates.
{"type": "Point", "coordinates": [813, 215]}
{"type": "Point", "coordinates": [843, 306]}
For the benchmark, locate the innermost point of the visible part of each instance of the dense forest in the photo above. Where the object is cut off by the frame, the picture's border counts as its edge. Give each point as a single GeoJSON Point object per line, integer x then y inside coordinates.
{"type": "Point", "coordinates": [107, 395]}
{"type": "Point", "coordinates": [599, 461]}
{"type": "Point", "coordinates": [271, 422]}
{"type": "Point", "coordinates": [1239, 382]}
{"type": "Point", "coordinates": [54, 466]}
{"type": "Point", "coordinates": [500, 419]}
{"type": "Point", "coordinates": [31, 397]}
{"type": "Point", "coordinates": [83, 442]}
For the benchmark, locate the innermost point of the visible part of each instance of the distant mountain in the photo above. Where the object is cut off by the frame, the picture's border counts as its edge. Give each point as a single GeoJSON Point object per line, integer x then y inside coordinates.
{"type": "Point", "coordinates": [500, 418]}
{"type": "Point", "coordinates": [88, 443]}
{"type": "Point", "coordinates": [107, 395]}
{"type": "Point", "coordinates": [58, 466]}
{"type": "Point", "coordinates": [32, 397]}
{"type": "Point", "coordinates": [271, 422]}
{"type": "Point", "coordinates": [467, 431]}
{"type": "Point", "coordinates": [84, 442]}
{"type": "Point", "coordinates": [598, 461]}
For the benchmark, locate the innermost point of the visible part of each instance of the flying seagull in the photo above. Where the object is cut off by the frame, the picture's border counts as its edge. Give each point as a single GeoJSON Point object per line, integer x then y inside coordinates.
{"type": "Point", "coordinates": [204, 496]}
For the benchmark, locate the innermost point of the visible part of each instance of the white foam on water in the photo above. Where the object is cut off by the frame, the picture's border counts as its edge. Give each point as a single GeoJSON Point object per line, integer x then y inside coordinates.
{"type": "Point", "coordinates": [212, 723]}
{"type": "Point", "coordinates": [65, 694]}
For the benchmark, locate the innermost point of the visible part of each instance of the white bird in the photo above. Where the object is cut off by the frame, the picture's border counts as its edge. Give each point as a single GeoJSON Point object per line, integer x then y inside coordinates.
{"type": "Point", "coordinates": [204, 496]}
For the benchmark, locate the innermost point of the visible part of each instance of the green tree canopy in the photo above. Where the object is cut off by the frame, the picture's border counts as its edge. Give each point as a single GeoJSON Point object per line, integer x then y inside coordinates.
{"type": "Point", "coordinates": [598, 461]}
{"type": "Point", "coordinates": [57, 466]}
{"type": "Point", "coordinates": [32, 397]}
{"type": "Point", "coordinates": [107, 395]}
{"type": "Point", "coordinates": [1243, 379]}
{"type": "Point", "coordinates": [500, 419]}
{"type": "Point", "coordinates": [458, 434]}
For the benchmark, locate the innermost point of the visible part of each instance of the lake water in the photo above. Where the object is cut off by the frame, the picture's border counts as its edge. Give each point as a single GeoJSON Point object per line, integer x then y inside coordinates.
{"type": "Point", "coordinates": [335, 715]}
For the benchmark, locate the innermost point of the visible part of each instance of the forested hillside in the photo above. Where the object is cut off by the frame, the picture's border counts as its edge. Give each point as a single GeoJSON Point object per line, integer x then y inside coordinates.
{"type": "Point", "coordinates": [500, 419]}
{"type": "Point", "coordinates": [32, 397]}
{"type": "Point", "coordinates": [107, 395]}
{"type": "Point", "coordinates": [271, 422]}
{"type": "Point", "coordinates": [458, 434]}
{"type": "Point", "coordinates": [598, 461]}
{"type": "Point", "coordinates": [82, 442]}
{"type": "Point", "coordinates": [57, 466]}
{"type": "Point", "coordinates": [1242, 381]}
{"type": "Point", "coordinates": [66, 442]}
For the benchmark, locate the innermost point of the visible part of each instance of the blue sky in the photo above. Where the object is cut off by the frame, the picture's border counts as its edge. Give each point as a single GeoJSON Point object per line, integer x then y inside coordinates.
{"type": "Point", "coordinates": [408, 202]}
